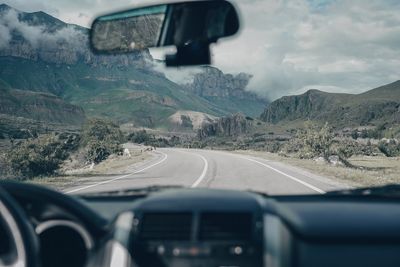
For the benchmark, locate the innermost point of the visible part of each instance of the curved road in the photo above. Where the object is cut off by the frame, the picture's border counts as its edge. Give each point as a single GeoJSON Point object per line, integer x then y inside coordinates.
{"type": "Point", "coordinates": [213, 169]}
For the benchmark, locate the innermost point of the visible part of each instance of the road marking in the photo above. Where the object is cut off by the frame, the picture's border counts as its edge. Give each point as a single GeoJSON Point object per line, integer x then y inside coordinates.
{"type": "Point", "coordinates": [203, 174]}
{"type": "Point", "coordinates": [289, 176]}
{"type": "Point", "coordinates": [119, 177]}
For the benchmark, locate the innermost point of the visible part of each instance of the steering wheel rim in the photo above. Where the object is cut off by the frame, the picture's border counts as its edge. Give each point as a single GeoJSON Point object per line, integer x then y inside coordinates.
{"type": "Point", "coordinates": [25, 245]}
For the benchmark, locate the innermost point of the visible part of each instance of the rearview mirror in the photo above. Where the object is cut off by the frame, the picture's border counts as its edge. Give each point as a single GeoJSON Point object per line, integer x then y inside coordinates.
{"type": "Point", "coordinates": [190, 26]}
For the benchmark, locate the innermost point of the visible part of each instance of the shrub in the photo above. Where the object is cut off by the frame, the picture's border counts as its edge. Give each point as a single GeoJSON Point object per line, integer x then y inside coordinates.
{"type": "Point", "coordinates": [354, 134]}
{"type": "Point", "coordinates": [273, 146]}
{"type": "Point", "coordinates": [101, 138]}
{"type": "Point", "coordinates": [97, 151]}
{"type": "Point", "coordinates": [345, 148]}
{"type": "Point", "coordinates": [316, 140]}
{"type": "Point", "coordinates": [101, 130]}
{"type": "Point", "coordinates": [4, 166]}
{"type": "Point", "coordinates": [141, 137]}
{"type": "Point", "coordinates": [368, 149]}
{"type": "Point", "coordinates": [39, 156]}
{"type": "Point", "coordinates": [390, 147]}
{"type": "Point", "coordinates": [376, 133]}
{"type": "Point", "coordinates": [175, 141]}
{"type": "Point", "coordinates": [293, 146]}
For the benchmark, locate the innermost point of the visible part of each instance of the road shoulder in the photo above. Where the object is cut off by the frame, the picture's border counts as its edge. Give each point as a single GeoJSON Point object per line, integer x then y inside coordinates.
{"type": "Point", "coordinates": [366, 175]}
{"type": "Point", "coordinates": [116, 165]}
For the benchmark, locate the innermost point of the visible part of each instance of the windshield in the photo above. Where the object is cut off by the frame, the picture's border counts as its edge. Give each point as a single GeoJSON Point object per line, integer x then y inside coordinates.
{"type": "Point", "coordinates": [305, 99]}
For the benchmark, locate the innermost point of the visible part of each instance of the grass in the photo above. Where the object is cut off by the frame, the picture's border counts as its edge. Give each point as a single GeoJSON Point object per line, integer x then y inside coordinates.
{"type": "Point", "coordinates": [371, 171]}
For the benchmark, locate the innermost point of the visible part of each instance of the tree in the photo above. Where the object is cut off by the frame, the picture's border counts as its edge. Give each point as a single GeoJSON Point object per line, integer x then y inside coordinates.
{"type": "Point", "coordinates": [354, 134]}
{"type": "Point", "coordinates": [141, 137]}
{"type": "Point", "coordinates": [390, 147]}
{"type": "Point", "coordinates": [101, 138]}
{"type": "Point", "coordinates": [101, 130]}
{"type": "Point", "coordinates": [316, 140]}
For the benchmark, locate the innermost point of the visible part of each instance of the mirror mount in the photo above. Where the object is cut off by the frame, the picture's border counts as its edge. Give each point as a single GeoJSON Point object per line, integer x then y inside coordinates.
{"type": "Point", "coordinates": [195, 53]}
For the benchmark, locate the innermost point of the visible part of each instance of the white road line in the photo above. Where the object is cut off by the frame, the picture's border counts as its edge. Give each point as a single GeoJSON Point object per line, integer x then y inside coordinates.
{"type": "Point", "coordinates": [119, 177]}
{"type": "Point", "coordinates": [289, 176]}
{"type": "Point", "coordinates": [203, 174]}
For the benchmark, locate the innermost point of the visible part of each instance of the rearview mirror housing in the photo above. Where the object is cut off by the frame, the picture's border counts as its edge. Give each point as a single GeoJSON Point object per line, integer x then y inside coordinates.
{"type": "Point", "coordinates": [190, 26]}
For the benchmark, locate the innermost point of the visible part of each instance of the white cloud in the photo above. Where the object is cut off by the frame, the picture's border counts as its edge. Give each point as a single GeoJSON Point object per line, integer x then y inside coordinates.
{"type": "Point", "coordinates": [5, 36]}
{"type": "Point", "coordinates": [37, 35]}
{"type": "Point", "coordinates": [290, 45]}
{"type": "Point", "coordinates": [11, 21]}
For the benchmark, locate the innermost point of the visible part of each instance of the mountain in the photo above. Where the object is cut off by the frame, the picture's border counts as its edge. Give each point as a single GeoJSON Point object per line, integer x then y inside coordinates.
{"type": "Point", "coordinates": [227, 91]}
{"type": "Point", "coordinates": [40, 53]}
{"type": "Point", "coordinates": [370, 108]}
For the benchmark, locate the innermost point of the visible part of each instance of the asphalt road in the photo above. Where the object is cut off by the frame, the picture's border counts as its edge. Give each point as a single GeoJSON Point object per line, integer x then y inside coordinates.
{"type": "Point", "coordinates": [212, 169]}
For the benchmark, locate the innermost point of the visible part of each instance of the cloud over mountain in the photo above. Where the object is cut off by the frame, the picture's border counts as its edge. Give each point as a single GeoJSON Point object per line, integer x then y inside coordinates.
{"type": "Point", "coordinates": [37, 35]}
{"type": "Point", "coordinates": [292, 46]}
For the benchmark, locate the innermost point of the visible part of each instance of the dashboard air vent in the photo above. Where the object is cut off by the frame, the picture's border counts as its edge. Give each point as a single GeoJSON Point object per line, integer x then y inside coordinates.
{"type": "Point", "coordinates": [166, 226]}
{"type": "Point", "coordinates": [225, 226]}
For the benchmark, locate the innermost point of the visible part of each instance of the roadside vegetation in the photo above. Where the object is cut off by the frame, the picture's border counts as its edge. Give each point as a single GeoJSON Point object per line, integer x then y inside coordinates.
{"type": "Point", "coordinates": [38, 156]}
{"type": "Point", "coordinates": [47, 154]}
{"type": "Point", "coordinates": [100, 139]}
{"type": "Point", "coordinates": [148, 139]}
{"type": "Point", "coordinates": [97, 148]}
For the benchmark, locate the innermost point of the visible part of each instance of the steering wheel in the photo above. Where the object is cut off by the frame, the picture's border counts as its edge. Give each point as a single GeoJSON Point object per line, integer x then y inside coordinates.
{"type": "Point", "coordinates": [19, 246]}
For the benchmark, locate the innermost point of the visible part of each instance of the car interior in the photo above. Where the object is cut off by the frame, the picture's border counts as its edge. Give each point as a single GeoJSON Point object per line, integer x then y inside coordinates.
{"type": "Point", "coordinates": [162, 226]}
{"type": "Point", "coordinates": [196, 227]}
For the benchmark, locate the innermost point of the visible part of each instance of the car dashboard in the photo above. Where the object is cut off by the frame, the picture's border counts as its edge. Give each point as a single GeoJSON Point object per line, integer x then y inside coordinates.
{"type": "Point", "coordinates": [205, 227]}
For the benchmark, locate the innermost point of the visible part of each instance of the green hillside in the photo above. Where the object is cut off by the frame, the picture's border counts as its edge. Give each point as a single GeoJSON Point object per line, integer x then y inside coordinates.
{"type": "Point", "coordinates": [38, 106]}
{"type": "Point", "coordinates": [120, 93]}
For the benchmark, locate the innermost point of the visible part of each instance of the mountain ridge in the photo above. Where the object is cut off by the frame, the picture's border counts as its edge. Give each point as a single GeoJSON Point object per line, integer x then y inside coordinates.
{"type": "Point", "coordinates": [379, 105]}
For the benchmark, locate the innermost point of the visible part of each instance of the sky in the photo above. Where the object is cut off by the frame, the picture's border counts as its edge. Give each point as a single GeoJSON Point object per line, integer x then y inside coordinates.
{"type": "Point", "coordinates": [289, 46]}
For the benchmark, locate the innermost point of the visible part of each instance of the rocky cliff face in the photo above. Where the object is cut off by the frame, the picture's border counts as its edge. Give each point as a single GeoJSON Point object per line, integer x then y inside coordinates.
{"type": "Point", "coordinates": [190, 119]}
{"type": "Point", "coordinates": [377, 106]}
{"type": "Point", "coordinates": [226, 91]}
{"type": "Point", "coordinates": [229, 126]}
{"type": "Point", "coordinates": [306, 106]}
{"type": "Point", "coordinates": [40, 37]}
{"type": "Point", "coordinates": [212, 82]}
